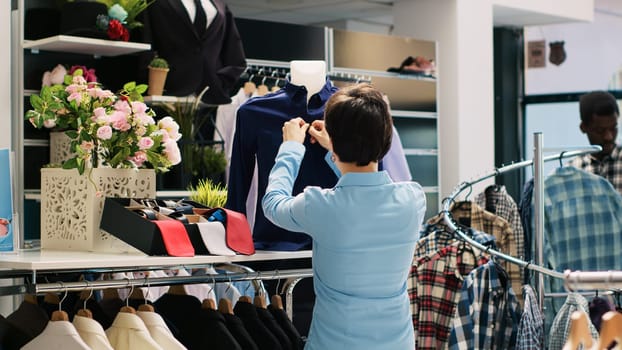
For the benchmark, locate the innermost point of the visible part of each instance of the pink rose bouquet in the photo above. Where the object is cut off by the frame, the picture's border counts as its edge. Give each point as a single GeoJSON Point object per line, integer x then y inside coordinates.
{"type": "Point", "coordinates": [106, 129]}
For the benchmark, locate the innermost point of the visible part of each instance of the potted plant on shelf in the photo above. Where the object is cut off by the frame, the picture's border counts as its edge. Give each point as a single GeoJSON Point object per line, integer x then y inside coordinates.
{"type": "Point", "coordinates": [208, 193]}
{"type": "Point", "coordinates": [158, 69]}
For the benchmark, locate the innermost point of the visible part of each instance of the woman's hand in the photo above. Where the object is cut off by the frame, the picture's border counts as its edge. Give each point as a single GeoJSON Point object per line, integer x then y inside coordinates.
{"type": "Point", "coordinates": [295, 130]}
{"type": "Point", "coordinates": [318, 134]}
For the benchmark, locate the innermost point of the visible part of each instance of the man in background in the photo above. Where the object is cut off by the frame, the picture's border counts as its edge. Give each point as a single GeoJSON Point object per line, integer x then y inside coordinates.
{"type": "Point", "coordinates": [599, 121]}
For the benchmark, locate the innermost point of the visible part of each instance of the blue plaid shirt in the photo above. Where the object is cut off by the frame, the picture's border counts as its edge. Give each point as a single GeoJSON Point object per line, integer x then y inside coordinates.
{"type": "Point", "coordinates": [531, 326]}
{"type": "Point", "coordinates": [487, 314]}
{"type": "Point", "coordinates": [560, 328]}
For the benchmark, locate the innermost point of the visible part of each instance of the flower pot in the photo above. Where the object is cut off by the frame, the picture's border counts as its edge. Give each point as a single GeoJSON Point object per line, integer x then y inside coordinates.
{"type": "Point", "coordinates": [157, 78]}
{"type": "Point", "coordinates": [71, 209]}
{"type": "Point", "coordinates": [60, 147]}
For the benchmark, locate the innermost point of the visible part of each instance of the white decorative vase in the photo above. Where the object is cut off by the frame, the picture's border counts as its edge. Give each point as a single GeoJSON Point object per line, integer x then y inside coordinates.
{"type": "Point", "coordinates": [71, 210]}
{"type": "Point", "coordinates": [60, 147]}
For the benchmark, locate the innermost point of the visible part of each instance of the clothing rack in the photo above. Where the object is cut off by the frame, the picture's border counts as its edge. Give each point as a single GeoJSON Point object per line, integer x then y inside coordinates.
{"type": "Point", "coordinates": [594, 280]}
{"type": "Point", "coordinates": [277, 71]}
{"type": "Point", "coordinates": [537, 162]}
{"type": "Point", "coordinates": [60, 287]}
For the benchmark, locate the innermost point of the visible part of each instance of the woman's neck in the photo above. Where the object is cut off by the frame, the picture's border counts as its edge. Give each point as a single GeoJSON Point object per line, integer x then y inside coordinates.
{"type": "Point", "coordinates": [345, 168]}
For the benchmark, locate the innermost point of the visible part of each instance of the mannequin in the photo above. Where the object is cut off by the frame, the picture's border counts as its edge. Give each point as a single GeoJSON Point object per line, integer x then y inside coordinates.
{"type": "Point", "coordinates": [310, 74]}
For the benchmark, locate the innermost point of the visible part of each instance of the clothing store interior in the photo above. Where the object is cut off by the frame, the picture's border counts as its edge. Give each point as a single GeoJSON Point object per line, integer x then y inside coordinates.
{"type": "Point", "coordinates": [182, 174]}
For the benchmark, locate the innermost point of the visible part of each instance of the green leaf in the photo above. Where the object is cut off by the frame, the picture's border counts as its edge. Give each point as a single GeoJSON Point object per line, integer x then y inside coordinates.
{"type": "Point", "coordinates": [129, 86]}
{"type": "Point", "coordinates": [36, 102]}
{"type": "Point", "coordinates": [73, 134]}
{"type": "Point", "coordinates": [70, 163]}
{"type": "Point", "coordinates": [141, 88]}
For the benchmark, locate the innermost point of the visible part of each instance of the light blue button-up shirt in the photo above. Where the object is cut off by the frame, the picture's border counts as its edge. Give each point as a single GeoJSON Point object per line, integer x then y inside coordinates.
{"type": "Point", "coordinates": [364, 232]}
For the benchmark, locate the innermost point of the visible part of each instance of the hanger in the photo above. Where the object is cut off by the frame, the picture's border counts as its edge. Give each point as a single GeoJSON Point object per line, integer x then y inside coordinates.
{"type": "Point", "coordinates": [262, 89]}
{"type": "Point", "coordinates": [31, 298]}
{"type": "Point", "coordinates": [127, 308]}
{"type": "Point", "coordinates": [561, 156]}
{"type": "Point", "coordinates": [209, 303]}
{"type": "Point", "coordinates": [84, 312]}
{"type": "Point", "coordinates": [145, 306]}
{"type": "Point", "coordinates": [610, 330]}
{"type": "Point", "coordinates": [260, 300]}
{"type": "Point", "coordinates": [60, 315]}
{"type": "Point", "coordinates": [225, 307]}
{"type": "Point", "coordinates": [249, 86]}
{"type": "Point", "coordinates": [579, 332]}
{"type": "Point", "coordinates": [276, 300]}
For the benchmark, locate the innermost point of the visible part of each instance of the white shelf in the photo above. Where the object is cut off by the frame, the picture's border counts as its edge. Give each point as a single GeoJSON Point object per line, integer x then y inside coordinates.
{"type": "Point", "coordinates": [86, 46]}
{"type": "Point", "coordinates": [50, 260]}
{"type": "Point", "coordinates": [420, 152]}
{"type": "Point", "coordinates": [413, 114]}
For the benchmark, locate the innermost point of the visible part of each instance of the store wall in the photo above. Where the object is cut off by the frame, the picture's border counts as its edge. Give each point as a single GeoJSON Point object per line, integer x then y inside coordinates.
{"type": "Point", "coordinates": [463, 32]}
{"type": "Point", "coordinates": [594, 55]}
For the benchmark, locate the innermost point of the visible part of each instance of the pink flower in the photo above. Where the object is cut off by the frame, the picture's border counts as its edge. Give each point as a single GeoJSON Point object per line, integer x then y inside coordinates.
{"type": "Point", "coordinates": [119, 121]}
{"type": "Point", "coordinates": [46, 80]}
{"type": "Point", "coordinates": [78, 79]}
{"type": "Point", "coordinates": [171, 127]}
{"type": "Point", "coordinates": [139, 107]}
{"type": "Point", "coordinates": [103, 94]}
{"type": "Point", "coordinates": [140, 130]}
{"type": "Point", "coordinates": [139, 158]}
{"type": "Point", "coordinates": [75, 96]}
{"type": "Point", "coordinates": [87, 146]}
{"type": "Point", "coordinates": [104, 132]}
{"type": "Point", "coordinates": [56, 76]}
{"type": "Point", "coordinates": [100, 116]}
{"type": "Point", "coordinates": [145, 143]}
{"type": "Point", "coordinates": [123, 106]}
{"type": "Point", "coordinates": [171, 151]}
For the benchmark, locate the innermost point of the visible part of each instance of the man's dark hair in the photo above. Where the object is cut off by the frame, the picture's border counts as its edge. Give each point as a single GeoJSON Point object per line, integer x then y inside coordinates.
{"type": "Point", "coordinates": [359, 124]}
{"type": "Point", "coordinates": [597, 103]}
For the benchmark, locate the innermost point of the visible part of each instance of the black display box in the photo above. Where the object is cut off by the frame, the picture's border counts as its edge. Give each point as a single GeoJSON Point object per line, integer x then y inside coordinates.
{"type": "Point", "coordinates": [140, 232]}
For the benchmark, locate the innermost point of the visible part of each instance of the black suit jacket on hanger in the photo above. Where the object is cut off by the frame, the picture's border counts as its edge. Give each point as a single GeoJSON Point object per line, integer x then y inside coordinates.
{"type": "Point", "coordinates": [270, 322]}
{"type": "Point", "coordinates": [239, 332]}
{"type": "Point", "coordinates": [215, 59]}
{"type": "Point", "coordinates": [209, 331]}
{"type": "Point", "coordinates": [288, 326]}
{"type": "Point", "coordinates": [262, 336]}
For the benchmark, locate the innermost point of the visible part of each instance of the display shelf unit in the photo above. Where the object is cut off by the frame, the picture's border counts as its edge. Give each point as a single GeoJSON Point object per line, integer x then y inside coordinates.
{"type": "Point", "coordinates": [412, 98]}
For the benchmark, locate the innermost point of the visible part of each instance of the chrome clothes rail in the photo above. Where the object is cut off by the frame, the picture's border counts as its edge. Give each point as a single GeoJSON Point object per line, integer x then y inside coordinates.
{"type": "Point", "coordinates": [511, 167]}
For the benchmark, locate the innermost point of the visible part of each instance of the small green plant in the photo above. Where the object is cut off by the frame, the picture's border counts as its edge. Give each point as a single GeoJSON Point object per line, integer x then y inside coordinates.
{"type": "Point", "coordinates": [158, 62]}
{"type": "Point", "coordinates": [208, 193]}
{"type": "Point", "coordinates": [211, 160]}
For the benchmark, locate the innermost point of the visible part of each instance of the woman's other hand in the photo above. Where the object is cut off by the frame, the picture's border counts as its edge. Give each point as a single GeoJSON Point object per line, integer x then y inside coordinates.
{"type": "Point", "coordinates": [295, 130]}
{"type": "Point", "coordinates": [318, 134]}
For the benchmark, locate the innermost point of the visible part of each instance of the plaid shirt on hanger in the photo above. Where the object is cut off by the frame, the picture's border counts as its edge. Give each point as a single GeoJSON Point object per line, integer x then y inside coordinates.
{"type": "Point", "coordinates": [505, 207]}
{"type": "Point", "coordinates": [610, 167]}
{"type": "Point", "coordinates": [487, 314]}
{"type": "Point", "coordinates": [531, 327]}
{"type": "Point", "coordinates": [560, 328]}
{"type": "Point", "coordinates": [433, 284]}
{"type": "Point", "coordinates": [490, 223]}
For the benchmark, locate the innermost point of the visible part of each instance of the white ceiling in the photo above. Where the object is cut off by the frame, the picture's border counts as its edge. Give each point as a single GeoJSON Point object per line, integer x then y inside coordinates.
{"type": "Point", "coordinates": [309, 12]}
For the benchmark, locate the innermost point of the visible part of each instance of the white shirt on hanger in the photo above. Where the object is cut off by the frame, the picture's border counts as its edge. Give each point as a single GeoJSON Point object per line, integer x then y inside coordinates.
{"type": "Point", "coordinates": [61, 335]}
{"type": "Point", "coordinates": [92, 333]}
{"type": "Point", "coordinates": [159, 330]}
{"type": "Point", "coordinates": [128, 332]}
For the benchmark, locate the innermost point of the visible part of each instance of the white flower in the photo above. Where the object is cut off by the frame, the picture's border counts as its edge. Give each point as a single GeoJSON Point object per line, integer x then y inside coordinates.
{"type": "Point", "coordinates": [172, 152]}
{"type": "Point", "coordinates": [57, 76]}
{"type": "Point", "coordinates": [171, 127]}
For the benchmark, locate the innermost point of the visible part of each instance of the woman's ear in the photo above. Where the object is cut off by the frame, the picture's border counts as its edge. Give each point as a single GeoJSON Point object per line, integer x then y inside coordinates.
{"type": "Point", "coordinates": [583, 127]}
